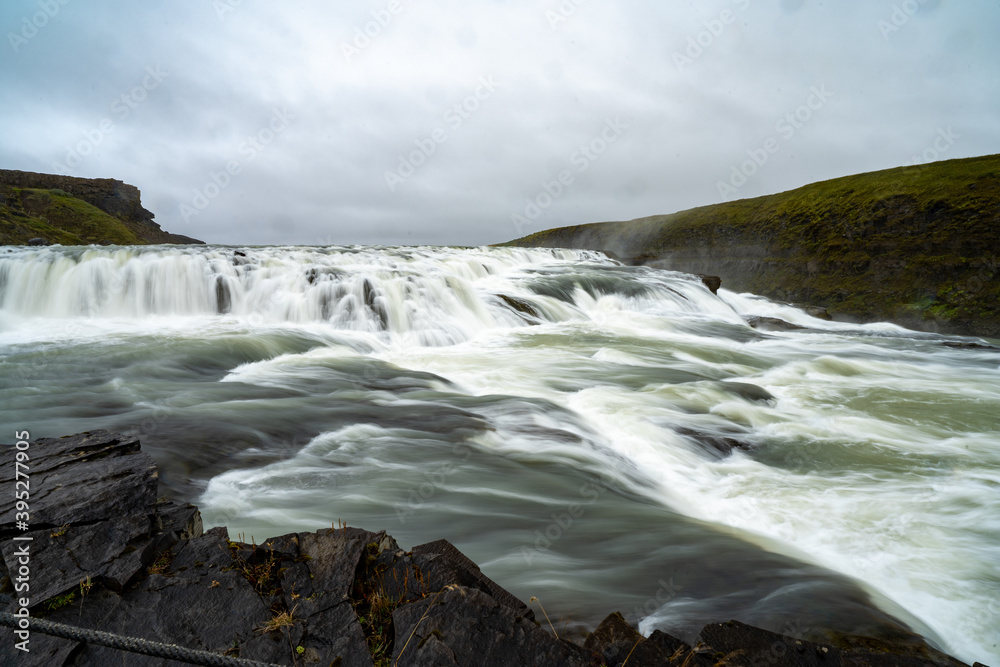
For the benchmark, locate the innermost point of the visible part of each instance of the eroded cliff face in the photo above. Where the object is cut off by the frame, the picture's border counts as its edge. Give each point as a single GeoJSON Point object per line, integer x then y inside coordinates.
{"type": "Point", "coordinates": [919, 246]}
{"type": "Point", "coordinates": [36, 205]}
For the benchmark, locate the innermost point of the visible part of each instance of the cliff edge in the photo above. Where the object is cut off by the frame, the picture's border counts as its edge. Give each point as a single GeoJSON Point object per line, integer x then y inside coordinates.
{"type": "Point", "coordinates": [75, 211]}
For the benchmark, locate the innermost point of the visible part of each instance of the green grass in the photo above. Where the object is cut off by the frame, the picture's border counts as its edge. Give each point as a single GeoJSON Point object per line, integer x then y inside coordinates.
{"type": "Point", "coordinates": [60, 218]}
{"type": "Point", "coordinates": [914, 243]}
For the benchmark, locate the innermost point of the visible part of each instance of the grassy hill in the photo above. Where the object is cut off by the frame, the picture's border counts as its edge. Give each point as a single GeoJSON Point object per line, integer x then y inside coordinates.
{"type": "Point", "coordinates": [59, 217]}
{"type": "Point", "coordinates": [916, 245]}
{"type": "Point", "coordinates": [75, 211]}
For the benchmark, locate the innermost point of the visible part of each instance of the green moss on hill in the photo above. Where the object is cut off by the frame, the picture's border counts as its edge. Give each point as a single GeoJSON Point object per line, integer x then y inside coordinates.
{"type": "Point", "coordinates": [916, 245]}
{"type": "Point", "coordinates": [58, 217]}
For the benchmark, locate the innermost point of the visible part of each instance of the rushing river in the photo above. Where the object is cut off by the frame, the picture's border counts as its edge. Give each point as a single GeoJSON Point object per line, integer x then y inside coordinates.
{"type": "Point", "coordinates": [599, 436]}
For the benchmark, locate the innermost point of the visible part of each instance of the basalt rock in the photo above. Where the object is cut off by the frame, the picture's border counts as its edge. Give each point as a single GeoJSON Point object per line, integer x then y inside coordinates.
{"type": "Point", "coordinates": [772, 324]}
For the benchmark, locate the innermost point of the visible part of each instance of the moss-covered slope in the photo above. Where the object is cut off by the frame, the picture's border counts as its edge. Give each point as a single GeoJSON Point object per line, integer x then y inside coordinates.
{"type": "Point", "coordinates": [58, 217]}
{"type": "Point", "coordinates": [915, 245]}
{"type": "Point", "coordinates": [75, 211]}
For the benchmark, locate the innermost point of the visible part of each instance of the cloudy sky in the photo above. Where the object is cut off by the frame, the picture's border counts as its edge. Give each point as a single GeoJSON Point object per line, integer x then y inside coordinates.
{"type": "Point", "coordinates": [467, 122]}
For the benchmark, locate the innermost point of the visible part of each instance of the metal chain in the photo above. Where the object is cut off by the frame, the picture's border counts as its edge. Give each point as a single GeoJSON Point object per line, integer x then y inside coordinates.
{"type": "Point", "coordinates": [133, 644]}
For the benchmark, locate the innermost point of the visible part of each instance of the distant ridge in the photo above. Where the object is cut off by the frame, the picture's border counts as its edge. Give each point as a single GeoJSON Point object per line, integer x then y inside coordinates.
{"type": "Point", "coordinates": [919, 246]}
{"type": "Point", "coordinates": [75, 211]}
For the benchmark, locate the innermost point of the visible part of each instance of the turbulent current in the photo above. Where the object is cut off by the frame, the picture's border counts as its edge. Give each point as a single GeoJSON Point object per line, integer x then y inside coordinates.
{"type": "Point", "coordinates": [602, 437]}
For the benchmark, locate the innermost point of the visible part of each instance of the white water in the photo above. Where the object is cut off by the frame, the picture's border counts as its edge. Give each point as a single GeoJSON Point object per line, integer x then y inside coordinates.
{"type": "Point", "coordinates": [877, 458]}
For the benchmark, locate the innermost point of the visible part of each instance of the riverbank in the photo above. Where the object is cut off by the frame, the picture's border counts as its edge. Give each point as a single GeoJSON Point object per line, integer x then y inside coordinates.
{"type": "Point", "coordinates": [917, 246]}
{"type": "Point", "coordinates": [105, 552]}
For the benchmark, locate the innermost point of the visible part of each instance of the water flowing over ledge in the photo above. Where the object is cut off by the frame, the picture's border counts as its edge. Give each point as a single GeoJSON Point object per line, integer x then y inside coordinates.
{"type": "Point", "coordinates": [553, 412]}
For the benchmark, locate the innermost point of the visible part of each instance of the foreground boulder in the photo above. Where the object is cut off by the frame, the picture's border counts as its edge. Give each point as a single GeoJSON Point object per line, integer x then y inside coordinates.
{"type": "Point", "coordinates": [107, 554]}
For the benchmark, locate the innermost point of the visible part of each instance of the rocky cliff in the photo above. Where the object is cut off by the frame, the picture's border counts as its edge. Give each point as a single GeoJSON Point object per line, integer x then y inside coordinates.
{"type": "Point", "coordinates": [75, 211]}
{"type": "Point", "coordinates": [95, 551]}
{"type": "Point", "coordinates": [919, 246]}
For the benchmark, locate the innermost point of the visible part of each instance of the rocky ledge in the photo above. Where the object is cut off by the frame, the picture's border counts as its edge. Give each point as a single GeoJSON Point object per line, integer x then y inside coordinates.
{"type": "Point", "coordinates": [105, 553]}
{"type": "Point", "coordinates": [42, 209]}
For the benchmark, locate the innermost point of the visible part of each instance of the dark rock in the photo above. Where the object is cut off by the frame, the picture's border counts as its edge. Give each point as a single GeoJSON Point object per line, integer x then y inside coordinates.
{"type": "Point", "coordinates": [109, 552]}
{"type": "Point", "coordinates": [38, 241]}
{"type": "Point", "coordinates": [746, 645]}
{"type": "Point", "coordinates": [667, 644]}
{"type": "Point", "coordinates": [200, 603]}
{"type": "Point", "coordinates": [961, 345]}
{"type": "Point", "coordinates": [772, 324]}
{"type": "Point", "coordinates": [89, 477]}
{"type": "Point", "coordinates": [223, 299]}
{"type": "Point", "coordinates": [745, 390]}
{"type": "Point", "coordinates": [716, 443]}
{"type": "Point", "coordinates": [464, 626]}
{"type": "Point", "coordinates": [616, 641]}
{"type": "Point", "coordinates": [443, 564]}
{"type": "Point", "coordinates": [818, 312]}
{"type": "Point", "coordinates": [905, 649]}
{"type": "Point", "coordinates": [713, 283]}
{"type": "Point", "coordinates": [523, 308]}
{"type": "Point", "coordinates": [318, 583]}
{"type": "Point", "coordinates": [46, 651]}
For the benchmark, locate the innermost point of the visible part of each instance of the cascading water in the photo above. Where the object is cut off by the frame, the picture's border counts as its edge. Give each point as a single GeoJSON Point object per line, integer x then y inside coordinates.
{"type": "Point", "coordinates": [603, 437]}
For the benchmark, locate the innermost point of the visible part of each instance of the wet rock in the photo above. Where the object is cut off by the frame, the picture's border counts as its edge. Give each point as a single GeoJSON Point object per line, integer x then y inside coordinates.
{"type": "Point", "coordinates": [83, 478]}
{"type": "Point", "coordinates": [223, 299]}
{"type": "Point", "coordinates": [716, 443]}
{"type": "Point", "coordinates": [713, 283]}
{"type": "Point", "coordinates": [38, 241]}
{"type": "Point", "coordinates": [464, 626]}
{"type": "Point", "coordinates": [772, 324]}
{"type": "Point", "coordinates": [745, 390]}
{"type": "Point", "coordinates": [617, 641]}
{"type": "Point", "coordinates": [962, 345]}
{"type": "Point", "coordinates": [746, 645]}
{"type": "Point", "coordinates": [200, 602]}
{"type": "Point", "coordinates": [818, 312]}
{"type": "Point", "coordinates": [528, 312]}
{"type": "Point", "coordinates": [443, 564]}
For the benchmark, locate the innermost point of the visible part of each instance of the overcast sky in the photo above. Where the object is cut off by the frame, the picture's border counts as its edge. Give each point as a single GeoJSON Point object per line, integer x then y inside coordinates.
{"type": "Point", "coordinates": [467, 122]}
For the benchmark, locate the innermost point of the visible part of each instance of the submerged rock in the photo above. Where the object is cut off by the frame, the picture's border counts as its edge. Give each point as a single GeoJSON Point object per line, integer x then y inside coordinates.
{"type": "Point", "coordinates": [772, 324]}
{"type": "Point", "coordinates": [713, 283]}
{"type": "Point", "coordinates": [818, 312]}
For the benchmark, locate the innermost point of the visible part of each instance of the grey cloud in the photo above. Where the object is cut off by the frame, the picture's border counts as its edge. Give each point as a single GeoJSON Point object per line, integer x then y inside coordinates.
{"type": "Point", "coordinates": [322, 179]}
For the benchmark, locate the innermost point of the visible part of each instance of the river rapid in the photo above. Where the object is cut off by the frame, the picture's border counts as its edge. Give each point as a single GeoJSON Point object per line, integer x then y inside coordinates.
{"type": "Point", "coordinates": [600, 436]}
